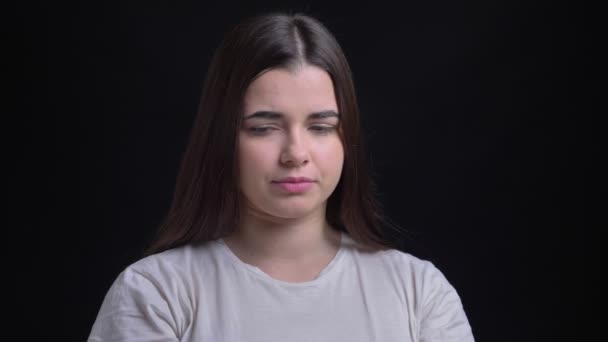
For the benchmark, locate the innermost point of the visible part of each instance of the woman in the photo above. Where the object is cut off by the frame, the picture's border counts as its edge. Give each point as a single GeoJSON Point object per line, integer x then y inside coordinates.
{"type": "Point", "coordinates": [274, 233]}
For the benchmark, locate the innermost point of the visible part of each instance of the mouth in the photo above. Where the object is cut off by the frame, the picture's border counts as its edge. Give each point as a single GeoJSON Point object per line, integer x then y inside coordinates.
{"type": "Point", "coordinates": [294, 180]}
{"type": "Point", "coordinates": [294, 187]}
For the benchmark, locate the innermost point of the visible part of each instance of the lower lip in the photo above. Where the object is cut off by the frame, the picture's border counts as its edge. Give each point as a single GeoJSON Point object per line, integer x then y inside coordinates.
{"type": "Point", "coordinates": [295, 187]}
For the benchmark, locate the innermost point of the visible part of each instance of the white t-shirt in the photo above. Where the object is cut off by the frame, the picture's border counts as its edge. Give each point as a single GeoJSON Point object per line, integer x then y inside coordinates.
{"type": "Point", "coordinates": [206, 293]}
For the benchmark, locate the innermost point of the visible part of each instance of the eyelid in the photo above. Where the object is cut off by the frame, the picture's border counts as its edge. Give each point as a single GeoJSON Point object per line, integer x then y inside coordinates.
{"type": "Point", "coordinates": [267, 127]}
{"type": "Point", "coordinates": [322, 129]}
{"type": "Point", "coordinates": [322, 124]}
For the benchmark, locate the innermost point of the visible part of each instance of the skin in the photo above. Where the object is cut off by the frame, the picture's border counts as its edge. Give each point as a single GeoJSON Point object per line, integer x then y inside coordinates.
{"type": "Point", "coordinates": [286, 234]}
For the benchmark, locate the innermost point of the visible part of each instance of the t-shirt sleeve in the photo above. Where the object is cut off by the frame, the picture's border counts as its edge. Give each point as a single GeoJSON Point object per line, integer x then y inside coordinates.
{"type": "Point", "coordinates": [442, 317]}
{"type": "Point", "coordinates": [134, 309]}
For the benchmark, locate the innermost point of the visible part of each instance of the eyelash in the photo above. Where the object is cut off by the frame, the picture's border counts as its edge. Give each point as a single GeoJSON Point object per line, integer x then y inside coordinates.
{"type": "Point", "coordinates": [264, 130]}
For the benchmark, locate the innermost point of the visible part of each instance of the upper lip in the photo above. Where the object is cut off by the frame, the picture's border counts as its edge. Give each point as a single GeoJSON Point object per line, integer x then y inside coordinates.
{"type": "Point", "coordinates": [293, 180]}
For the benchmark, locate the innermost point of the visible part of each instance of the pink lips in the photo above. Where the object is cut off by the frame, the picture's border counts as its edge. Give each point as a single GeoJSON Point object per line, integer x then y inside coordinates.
{"type": "Point", "coordinates": [294, 184]}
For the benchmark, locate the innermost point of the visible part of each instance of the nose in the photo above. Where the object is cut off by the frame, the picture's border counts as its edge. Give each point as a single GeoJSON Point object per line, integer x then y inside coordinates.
{"type": "Point", "coordinates": [295, 152]}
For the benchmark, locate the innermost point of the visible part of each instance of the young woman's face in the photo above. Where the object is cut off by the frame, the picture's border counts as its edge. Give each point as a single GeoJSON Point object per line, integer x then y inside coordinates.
{"type": "Point", "coordinates": [290, 129]}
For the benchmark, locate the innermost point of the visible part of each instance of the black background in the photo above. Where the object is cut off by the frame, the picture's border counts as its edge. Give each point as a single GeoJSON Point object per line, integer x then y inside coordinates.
{"type": "Point", "coordinates": [467, 107]}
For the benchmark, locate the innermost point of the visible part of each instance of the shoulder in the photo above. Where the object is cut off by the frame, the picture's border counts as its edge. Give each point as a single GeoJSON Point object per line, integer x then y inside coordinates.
{"type": "Point", "coordinates": [153, 275]}
{"type": "Point", "coordinates": [423, 276]}
{"type": "Point", "coordinates": [398, 264]}
{"type": "Point", "coordinates": [169, 275]}
{"type": "Point", "coordinates": [436, 303]}
{"type": "Point", "coordinates": [404, 260]}
{"type": "Point", "coordinates": [172, 266]}
{"type": "Point", "coordinates": [154, 294]}
{"type": "Point", "coordinates": [169, 261]}
{"type": "Point", "coordinates": [411, 276]}
{"type": "Point", "coordinates": [412, 266]}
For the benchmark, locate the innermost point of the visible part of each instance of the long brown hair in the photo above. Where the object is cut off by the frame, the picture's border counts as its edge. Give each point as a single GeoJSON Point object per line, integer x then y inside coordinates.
{"type": "Point", "coordinates": [206, 199]}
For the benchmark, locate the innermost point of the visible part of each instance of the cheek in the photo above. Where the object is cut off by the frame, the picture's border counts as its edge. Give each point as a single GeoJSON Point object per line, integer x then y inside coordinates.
{"type": "Point", "coordinates": [254, 158]}
{"type": "Point", "coordinates": [332, 156]}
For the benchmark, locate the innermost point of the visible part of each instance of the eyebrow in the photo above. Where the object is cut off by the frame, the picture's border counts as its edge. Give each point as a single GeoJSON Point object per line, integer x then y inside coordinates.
{"type": "Point", "coordinates": [272, 115]}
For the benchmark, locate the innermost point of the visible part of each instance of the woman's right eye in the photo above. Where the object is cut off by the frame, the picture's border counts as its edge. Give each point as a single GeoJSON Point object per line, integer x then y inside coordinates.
{"type": "Point", "coordinates": [260, 130]}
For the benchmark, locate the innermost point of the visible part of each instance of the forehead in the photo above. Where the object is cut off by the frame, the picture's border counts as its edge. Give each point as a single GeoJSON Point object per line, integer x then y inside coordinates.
{"type": "Point", "coordinates": [305, 89]}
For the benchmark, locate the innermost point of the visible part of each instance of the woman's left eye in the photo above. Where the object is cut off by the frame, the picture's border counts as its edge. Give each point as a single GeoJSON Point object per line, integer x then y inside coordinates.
{"type": "Point", "coordinates": [322, 129]}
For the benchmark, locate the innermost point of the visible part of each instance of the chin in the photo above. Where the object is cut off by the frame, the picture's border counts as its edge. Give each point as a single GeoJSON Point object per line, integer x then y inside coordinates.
{"type": "Point", "coordinates": [293, 211]}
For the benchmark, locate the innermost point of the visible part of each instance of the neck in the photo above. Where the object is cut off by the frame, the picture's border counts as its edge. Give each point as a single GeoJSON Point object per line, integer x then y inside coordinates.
{"type": "Point", "coordinates": [260, 238]}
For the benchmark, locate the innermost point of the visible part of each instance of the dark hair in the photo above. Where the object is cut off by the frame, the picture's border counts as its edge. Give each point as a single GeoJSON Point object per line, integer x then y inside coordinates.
{"type": "Point", "coordinates": [206, 199]}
